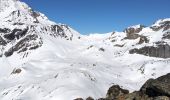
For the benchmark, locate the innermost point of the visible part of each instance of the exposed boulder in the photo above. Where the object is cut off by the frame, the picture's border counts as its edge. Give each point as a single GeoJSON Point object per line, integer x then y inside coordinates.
{"type": "Point", "coordinates": [115, 91]}
{"type": "Point", "coordinates": [78, 99]}
{"type": "Point", "coordinates": [153, 89]}
{"type": "Point", "coordinates": [133, 96]}
{"type": "Point", "coordinates": [89, 98]}
{"type": "Point", "coordinates": [157, 87]}
{"type": "Point", "coordinates": [162, 50]}
{"type": "Point", "coordinates": [101, 49]}
{"type": "Point", "coordinates": [119, 45]}
{"type": "Point", "coordinates": [16, 71]}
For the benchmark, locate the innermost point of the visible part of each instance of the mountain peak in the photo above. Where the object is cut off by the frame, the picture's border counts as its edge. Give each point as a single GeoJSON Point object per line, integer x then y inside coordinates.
{"type": "Point", "coordinates": [161, 21]}
{"type": "Point", "coordinates": [15, 11]}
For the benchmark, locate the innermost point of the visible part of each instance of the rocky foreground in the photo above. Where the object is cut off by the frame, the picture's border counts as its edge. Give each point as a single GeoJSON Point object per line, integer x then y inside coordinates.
{"type": "Point", "coordinates": [153, 89]}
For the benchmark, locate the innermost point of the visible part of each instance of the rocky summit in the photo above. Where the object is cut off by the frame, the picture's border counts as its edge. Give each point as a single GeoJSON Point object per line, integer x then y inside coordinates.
{"type": "Point", "coordinates": [44, 60]}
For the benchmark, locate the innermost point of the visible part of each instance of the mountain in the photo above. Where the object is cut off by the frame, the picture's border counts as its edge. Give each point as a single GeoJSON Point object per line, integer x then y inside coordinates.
{"type": "Point", "coordinates": [43, 60]}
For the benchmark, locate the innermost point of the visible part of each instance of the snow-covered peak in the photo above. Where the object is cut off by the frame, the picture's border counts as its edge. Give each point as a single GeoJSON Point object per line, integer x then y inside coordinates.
{"type": "Point", "coordinates": [161, 21]}
{"type": "Point", "coordinates": [8, 6]}
{"type": "Point", "coordinates": [15, 11]}
{"type": "Point", "coordinates": [163, 24]}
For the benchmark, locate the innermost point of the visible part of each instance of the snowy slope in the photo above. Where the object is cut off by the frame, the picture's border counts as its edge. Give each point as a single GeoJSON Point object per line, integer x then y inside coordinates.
{"type": "Point", "coordinates": [65, 65]}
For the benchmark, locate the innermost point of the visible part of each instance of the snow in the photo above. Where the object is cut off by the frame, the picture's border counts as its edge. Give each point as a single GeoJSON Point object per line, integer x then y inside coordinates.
{"type": "Point", "coordinates": [135, 26]}
{"type": "Point", "coordinates": [159, 22]}
{"type": "Point", "coordinates": [64, 69]}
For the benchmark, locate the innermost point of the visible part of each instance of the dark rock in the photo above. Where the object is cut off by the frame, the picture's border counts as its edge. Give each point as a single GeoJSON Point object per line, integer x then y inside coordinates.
{"type": "Point", "coordinates": [16, 71]}
{"type": "Point", "coordinates": [166, 35]}
{"type": "Point", "coordinates": [59, 31]}
{"type": "Point", "coordinates": [115, 91]}
{"type": "Point", "coordinates": [78, 99]}
{"type": "Point", "coordinates": [165, 25]}
{"type": "Point", "coordinates": [89, 98]}
{"type": "Point", "coordinates": [143, 39]}
{"type": "Point", "coordinates": [101, 49]}
{"type": "Point", "coordinates": [102, 99]}
{"type": "Point", "coordinates": [35, 14]}
{"type": "Point", "coordinates": [18, 23]}
{"type": "Point", "coordinates": [132, 36]}
{"type": "Point", "coordinates": [23, 45]}
{"type": "Point", "coordinates": [161, 51]}
{"type": "Point", "coordinates": [161, 98]}
{"type": "Point", "coordinates": [2, 41]}
{"type": "Point", "coordinates": [157, 87]}
{"type": "Point", "coordinates": [119, 45]}
{"type": "Point", "coordinates": [16, 33]}
{"type": "Point", "coordinates": [91, 46]}
{"type": "Point", "coordinates": [133, 96]}
{"type": "Point", "coordinates": [153, 89]}
{"type": "Point", "coordinates": [113, 33]}
{"type": "Point", "coordinates": [131, 32]}
{"type": "Point", "coordinates": [4, 30]}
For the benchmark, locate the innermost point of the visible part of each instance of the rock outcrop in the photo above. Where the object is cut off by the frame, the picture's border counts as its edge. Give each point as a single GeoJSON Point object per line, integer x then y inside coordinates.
{"type": "Point", "coordinates": [157, 87]}
{"type": "Point", "coordinates": [161, 24]}
{"type": "Point", "coordinates": [161, 50]}
{"type": "Point", "coordinates": [131, 31]}
{"type": "Point", "coordinates": [115, 91]}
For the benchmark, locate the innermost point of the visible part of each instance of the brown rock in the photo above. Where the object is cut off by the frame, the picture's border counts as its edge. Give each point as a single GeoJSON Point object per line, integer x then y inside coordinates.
{"type": "Point", "coordinates": [89, 98]}
{"type": "Point", "coordinates": [115, 91]}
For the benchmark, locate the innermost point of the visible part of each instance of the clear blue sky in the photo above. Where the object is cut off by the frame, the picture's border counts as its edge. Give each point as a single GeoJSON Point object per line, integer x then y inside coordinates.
{"type": "Point", "coordinates": [100, 16]}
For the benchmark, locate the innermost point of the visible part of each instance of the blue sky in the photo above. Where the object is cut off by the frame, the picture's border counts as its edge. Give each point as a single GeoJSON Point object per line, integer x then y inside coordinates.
{"type": "Point", "coordinates": [101, 16]}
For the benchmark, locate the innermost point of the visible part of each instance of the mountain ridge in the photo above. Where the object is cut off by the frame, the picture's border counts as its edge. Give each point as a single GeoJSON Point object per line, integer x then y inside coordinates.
{"type": "Point", "coordinates": [55, 62]}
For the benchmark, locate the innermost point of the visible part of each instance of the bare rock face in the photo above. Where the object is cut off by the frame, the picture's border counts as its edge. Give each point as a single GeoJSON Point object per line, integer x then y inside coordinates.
{"type": "Point", "coordinates": [4, 30]}
{"type": "Point", "coordinates": [166, 35]}
{"type": "Point", "coordinates": [25, 44]}
{"type": "Point", "coordinates": [131, 31]}
{"type": "Point", "coordinates": [161, 51]}
{"type": "Point", "coordinates": [157, 87]}
{"type": "Point", "coordinates": [143, 39]}
{"type": "Point", "coordinates": [2, 41]}
{"type": "Point", "coordinates": [161, 24]}
{"type": "Point", "coordinates": [16, 33]}
{"type": "Point", "coordinates": [134, 96]}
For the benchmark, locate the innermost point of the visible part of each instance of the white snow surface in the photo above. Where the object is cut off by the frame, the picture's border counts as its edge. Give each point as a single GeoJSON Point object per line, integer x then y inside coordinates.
{"type": "Point", "coordinates": [65, 70]}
